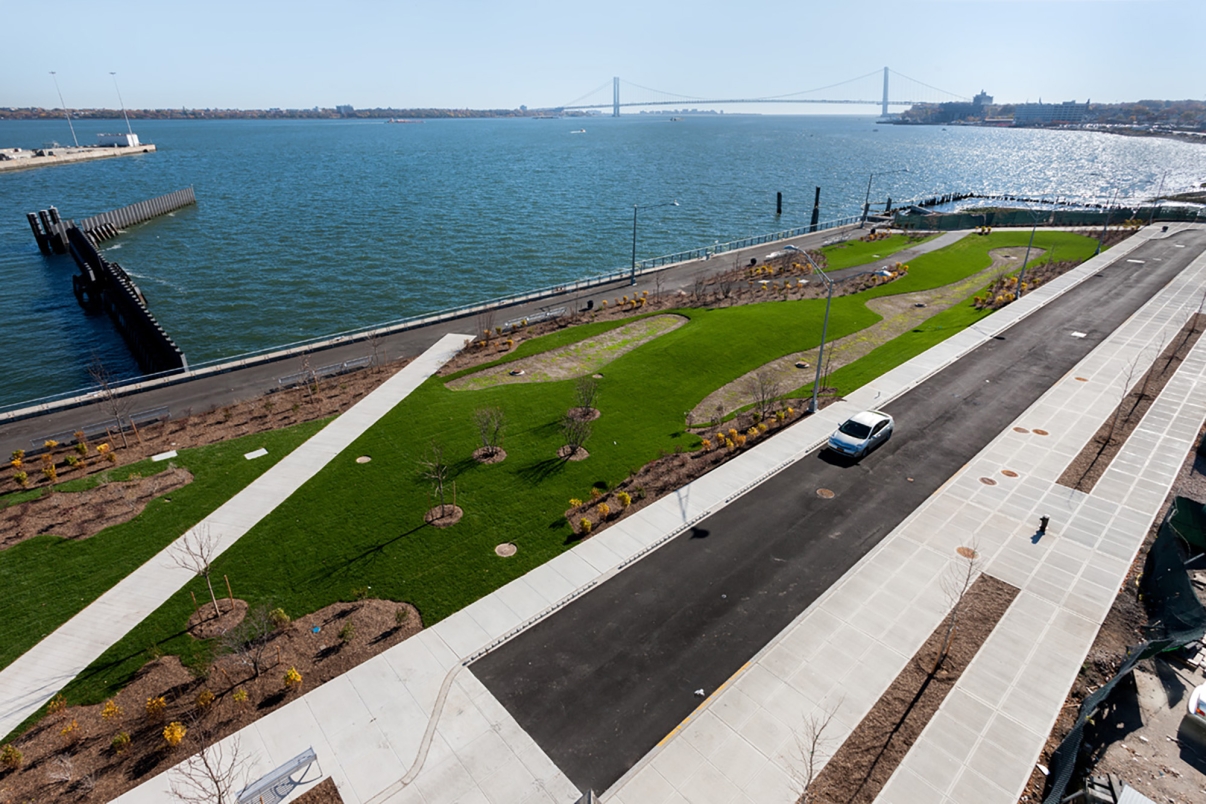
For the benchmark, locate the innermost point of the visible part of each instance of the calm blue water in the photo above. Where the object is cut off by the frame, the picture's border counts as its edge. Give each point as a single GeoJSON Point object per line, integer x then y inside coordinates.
{"type": "Point", "coordinates": [305, 228]}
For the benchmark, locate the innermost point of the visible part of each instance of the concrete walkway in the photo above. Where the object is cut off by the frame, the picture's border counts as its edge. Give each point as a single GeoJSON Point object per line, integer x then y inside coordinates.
{"type": "Point", "coordinates": [411, 726]}
{"type": "Point", "coordinates": [42, 671]}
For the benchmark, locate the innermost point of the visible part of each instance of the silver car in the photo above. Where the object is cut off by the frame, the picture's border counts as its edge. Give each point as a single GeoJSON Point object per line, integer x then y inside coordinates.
{"type": "Point", "coordinates": [861, 433]}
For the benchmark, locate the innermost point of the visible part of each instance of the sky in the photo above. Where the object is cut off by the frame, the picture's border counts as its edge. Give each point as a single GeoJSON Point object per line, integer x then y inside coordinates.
{"type": "Point", "coordinates": [261, 54]}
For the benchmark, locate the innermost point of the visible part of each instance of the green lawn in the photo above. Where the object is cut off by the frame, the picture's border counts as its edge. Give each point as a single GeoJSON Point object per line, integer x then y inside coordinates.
{"type": "Point", "coordinates": [360, 525]}
{"type": "Point", "coordinates": [857, 252]}
{"type": "Point", "coordinates": [45, 580]}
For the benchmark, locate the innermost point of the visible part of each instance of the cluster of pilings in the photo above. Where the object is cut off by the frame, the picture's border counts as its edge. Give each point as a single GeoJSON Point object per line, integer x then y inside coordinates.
{"type": "Point", "coordinates": [50, 230]}
{"type": "Point", "coordinates": [105, 286]}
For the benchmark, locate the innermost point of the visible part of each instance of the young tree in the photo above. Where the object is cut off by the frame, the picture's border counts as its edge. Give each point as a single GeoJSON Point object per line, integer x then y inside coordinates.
{"type": "Point", "coordinates": [213, 775]}
{"type": "Point", "coordinates": [586, 393]}
{"type": "Point", "coordinates": [576, 431]}
{"type": "Point", "coordinates": [763, 387]}
{"type": "Point", "coordinates": [435, 469]}
{"type": "Point", "coordinates": [195, 552]}
{"type": "Point", "coordinates": [247, 643]}
{"type": "Point", "coordinates": [111, 399]}
{"type": "Point", "coordinates": [813, 750]}
{"type": "Point", "coordinates": [372, 339]}
{"type": "Point", "coordinates": [490, 425]}
{"type": "Point", "coordinates": [958, 580]}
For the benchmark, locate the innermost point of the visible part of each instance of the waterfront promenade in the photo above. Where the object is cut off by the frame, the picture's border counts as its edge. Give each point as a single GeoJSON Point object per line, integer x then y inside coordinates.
{"type": "Point", "coordinates": [225, 384]}
{"type": "Point", "coordinates": [411, 726]}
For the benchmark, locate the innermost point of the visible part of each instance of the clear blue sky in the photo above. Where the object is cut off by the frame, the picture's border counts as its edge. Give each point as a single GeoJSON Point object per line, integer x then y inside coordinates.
{"type": "Point", "coordinates": [472, 53]}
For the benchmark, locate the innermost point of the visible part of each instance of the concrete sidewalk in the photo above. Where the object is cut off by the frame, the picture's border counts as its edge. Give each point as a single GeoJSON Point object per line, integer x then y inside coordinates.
{"type": "Point", "coordinates": [410, 726]}
{"type": "Point", "coordinates": [46, 668]}
{"type": "Point", "coordinates": [843, 652]}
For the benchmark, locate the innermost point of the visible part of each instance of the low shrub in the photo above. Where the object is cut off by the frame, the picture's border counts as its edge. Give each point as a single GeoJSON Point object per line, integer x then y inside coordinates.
{"type": "Point", "coordinates": [57, 704]}
{"type": "Point", "coordinates": [11, 757]}
{"type": "Point", "coordinates": [585, 525]}
{"type": "Point", "coordinates": [110, 710]}
{"type": "Point", "coordinates": [204, 699]}
{"type": "Point", "coordinates": [348, 632]}
{"type": "Point", "coordinates": [120, 742]}
{"type": "Point", "coordinates": [173, 733]}
{"type": "Point", "coordinates": [293, 679]}
{"type": "Point", "coordinates": [624, 498]}
{"type": "Point", "coordinates": [156, 708]}
{"type": "Point", "coordinates": [279, 618]}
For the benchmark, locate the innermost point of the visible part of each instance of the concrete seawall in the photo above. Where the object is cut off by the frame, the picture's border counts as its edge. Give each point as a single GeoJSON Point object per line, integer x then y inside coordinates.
{"type": "Point", "coordinates": [68, 155]}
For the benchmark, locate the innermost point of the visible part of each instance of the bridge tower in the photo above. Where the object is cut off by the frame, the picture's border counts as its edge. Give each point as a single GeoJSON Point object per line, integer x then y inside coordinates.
{"type": "Point", "coordinates": [885, 106]}
{"type": "Point", "coordinates": [615, 96]}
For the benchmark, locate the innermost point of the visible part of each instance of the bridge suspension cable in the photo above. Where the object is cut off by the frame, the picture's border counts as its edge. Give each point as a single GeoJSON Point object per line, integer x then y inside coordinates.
{"type": "Point", "coordinates": [820, 89]}
{"type": "Point", "coordinates": [605, 85]}
{"type": "Point", "coordinates": [927, 86]}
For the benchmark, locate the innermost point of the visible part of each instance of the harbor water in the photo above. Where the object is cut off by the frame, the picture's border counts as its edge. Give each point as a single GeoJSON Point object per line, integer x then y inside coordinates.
{"type": "Point", "coordinates": [306, 228]}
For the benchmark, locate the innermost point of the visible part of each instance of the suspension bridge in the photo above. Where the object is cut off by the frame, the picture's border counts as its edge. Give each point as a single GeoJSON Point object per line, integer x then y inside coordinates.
{"type": "Point", "coordinates": [860, 91]}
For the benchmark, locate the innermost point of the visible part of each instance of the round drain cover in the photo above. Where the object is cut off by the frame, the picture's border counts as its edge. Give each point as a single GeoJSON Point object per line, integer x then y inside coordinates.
{"type": "Point", "coordinates": [506, 549]}
{"type": "Point", "coordinates": [1041, 432]}
{"type": "Point", "coordinates": [1009, 473]}
{"type": "Point", "coordinates": [988, 481]}
{"type": "Point", "coordinates": [363, 459]}
{"type": "Point", "coordinates": [825, 494]}
{"type": "Point", "coordinates": [1020, 430]}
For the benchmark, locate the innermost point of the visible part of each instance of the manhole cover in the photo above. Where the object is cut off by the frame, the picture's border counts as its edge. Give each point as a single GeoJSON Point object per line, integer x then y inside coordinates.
{"type": "Point", "coordinates": [967, 553]}
{"type": "Point", "coordinates": [1040, 432]}
{"type": "Point", "coordinates": [988, 481]}
{"type": "Point", "coordinates": [1082, 379]}
{"type": "Point", "coordinates": [825, 494]}
{"type": "Point", "coordinates": [1009, 473]}
{"type": "Point", "coordinates": [506, 549]}
{"type": "Point", "coordinates": [1020, 430]}
{"type": "Point", "coordinates": [363, 459]}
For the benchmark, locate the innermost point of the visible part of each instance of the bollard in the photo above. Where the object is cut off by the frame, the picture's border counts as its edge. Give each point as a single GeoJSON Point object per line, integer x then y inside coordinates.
{"type": "Point", "coordinates": [1043, 520]}
{"type": "Point", "coordinates": [779, 204]}
{"type": "Point", "coordinates": [816, 212]}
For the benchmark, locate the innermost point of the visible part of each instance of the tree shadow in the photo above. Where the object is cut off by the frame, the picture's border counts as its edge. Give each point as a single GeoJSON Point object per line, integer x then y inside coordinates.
{"type": "Point", "coordinates": [369, 554]}
{"type": "Point", "coordinates": [540, 471]}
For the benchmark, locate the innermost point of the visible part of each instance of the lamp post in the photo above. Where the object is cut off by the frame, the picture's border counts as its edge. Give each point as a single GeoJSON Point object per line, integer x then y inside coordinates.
{"type": "Point", "coordinates": [1156, 201]}
{"type": "Point", "coordinates": [635, 208]}
{"type": "Point", "coordinates": [122, 102]}
{"type": "Point", "coordinates": [1109, 209]}
{"type": "Point", "coordinates": [867, 198]}
{"type": "Point", "coordinates": [816, 385]}
{"type": "Point", "coordinates": [65, 112]}
{"type": "Point", "coordinates": [1022, 273]}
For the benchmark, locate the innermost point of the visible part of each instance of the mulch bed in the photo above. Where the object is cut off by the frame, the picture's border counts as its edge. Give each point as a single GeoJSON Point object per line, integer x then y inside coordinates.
{"type": "Point", "coordinates": [187, 428]}
{"type": "Point", "coordinates": [861, 767]}
{"type": "Point", "coordinates": [81, 765]}
{"type": "Point", "coordinates": [80, 514]}
{"type": "Point", "coordinates": [324, 792]}
{"type": "Point", "coordinates": [1087, 467]}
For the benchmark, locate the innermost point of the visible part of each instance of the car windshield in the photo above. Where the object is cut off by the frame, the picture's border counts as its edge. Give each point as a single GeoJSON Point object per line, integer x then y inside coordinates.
{"type": "Point", "coordinates": [855, 429]}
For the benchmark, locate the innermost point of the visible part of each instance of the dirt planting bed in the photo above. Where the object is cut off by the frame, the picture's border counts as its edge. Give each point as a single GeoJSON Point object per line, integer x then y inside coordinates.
{"type": "Point", "coordinates": [80, 514]}
{"type": "Point", "coordinates": [75, 754]}
{"type": "Point", "coordinates": [1091, 463]}
{"type": "Point", "coordinates": [860, 768]}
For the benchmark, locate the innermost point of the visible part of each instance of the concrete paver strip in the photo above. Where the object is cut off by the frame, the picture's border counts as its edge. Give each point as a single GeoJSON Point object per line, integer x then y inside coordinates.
{"type": "Point", "coordinates": [574, 360]}
{"type": "Point", "coordinates": [668, 773]}
{"type": "Point", "coordinates": [39, 673]}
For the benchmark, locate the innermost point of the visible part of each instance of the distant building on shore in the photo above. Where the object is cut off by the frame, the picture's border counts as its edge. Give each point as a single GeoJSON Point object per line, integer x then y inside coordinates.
{"type": "Point", "coordinates": [1050, 114]}
{"type": "Point", "coordinates": [345, 110]}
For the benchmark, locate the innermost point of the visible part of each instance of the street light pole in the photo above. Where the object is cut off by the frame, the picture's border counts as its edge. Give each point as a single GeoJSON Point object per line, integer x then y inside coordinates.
{"type": "Point", "coordinates": [816, 385]}
{"type": "Point", "coordinates": [1109, 209]}
{"type": "Point", "coordinates": [636, 207]}
{"type": "Point", "coordinates": [1022, 273]}
{"type": "Point", "coordinates": [867, 197]}
{"type": "Point", "coordinates": [122, 102]}
{"type": "Point", "coordinates": [67, 113]}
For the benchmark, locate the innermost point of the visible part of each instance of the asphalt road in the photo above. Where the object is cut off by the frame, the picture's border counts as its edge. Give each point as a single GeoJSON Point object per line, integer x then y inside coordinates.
{"type": "Point", "coordinates": [602, 681]}
{"type": "Point", "coordinates": [200, 394]}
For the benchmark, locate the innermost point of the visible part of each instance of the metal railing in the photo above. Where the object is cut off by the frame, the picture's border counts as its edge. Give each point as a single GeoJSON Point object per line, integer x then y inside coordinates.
{"type": "Point", "coordinates": [221, 365]}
